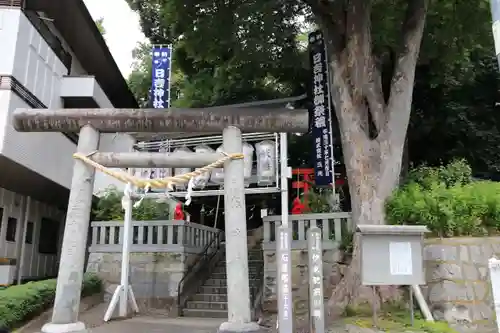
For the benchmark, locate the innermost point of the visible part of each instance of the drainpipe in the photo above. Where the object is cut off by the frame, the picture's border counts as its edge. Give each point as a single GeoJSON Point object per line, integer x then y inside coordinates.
{"type": "Point", "coordinates": [21, 241]}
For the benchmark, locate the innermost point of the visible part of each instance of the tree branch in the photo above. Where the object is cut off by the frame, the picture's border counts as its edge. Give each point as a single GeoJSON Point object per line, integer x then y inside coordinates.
{"type": "Point", "coordinates": [365, 76]}
{"type": "Point", "coordinates": [401, 93]}
{"type": "Point", "coordinates": [358, 45]}
{"type": "Point", "coordinates": [331, 17]}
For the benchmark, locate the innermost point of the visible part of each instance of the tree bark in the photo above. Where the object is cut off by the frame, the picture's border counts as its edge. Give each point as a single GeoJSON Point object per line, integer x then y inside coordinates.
{"type": "Point", "coordinates": [373, 122]}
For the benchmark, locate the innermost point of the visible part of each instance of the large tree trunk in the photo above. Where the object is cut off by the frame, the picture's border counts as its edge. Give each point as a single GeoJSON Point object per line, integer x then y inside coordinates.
{"type": "Point", "coordinates": [372, 122]}
{"type": "Point", "coordinates": [373, 169]}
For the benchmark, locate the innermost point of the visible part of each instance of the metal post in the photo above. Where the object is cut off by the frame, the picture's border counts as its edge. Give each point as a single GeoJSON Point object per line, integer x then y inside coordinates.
{"type": "Point", "coordinates": [127, 238]}
{"type": "Point", "coordinates": [124, 290]}
{"type": "Point", "coordinates": [69, 282]}
{"type": "Point", "coordinates": [284, 179]}
{"type": "Point", "coordinates": [495, 14]}
{"type": "Point", "coordinates": [412, 307]}
{"type": "Point", "coordinates": [238, 289]}
{"type": "Point", "coordinates": [283, 250]}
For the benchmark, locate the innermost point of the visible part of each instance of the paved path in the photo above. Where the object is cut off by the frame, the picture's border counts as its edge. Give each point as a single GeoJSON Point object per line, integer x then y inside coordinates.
{"type": "Point", "coordinates": [159, 325]}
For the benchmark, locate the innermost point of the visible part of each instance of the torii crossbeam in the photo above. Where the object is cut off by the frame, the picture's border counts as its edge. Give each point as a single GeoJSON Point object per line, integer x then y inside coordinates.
{"type": "Point", "coordinates": [90, 122]}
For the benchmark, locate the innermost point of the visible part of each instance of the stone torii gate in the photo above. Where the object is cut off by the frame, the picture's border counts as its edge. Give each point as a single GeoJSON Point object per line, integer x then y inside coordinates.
{"type": "Point", "coordinates": [89, 123]}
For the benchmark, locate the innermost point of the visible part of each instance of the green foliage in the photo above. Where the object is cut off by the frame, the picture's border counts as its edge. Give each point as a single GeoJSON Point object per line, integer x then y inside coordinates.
{"type": "Point", "coordinates": [100, 25]}
{"type": "Point", "coordinates": [347, 243]}
{"type": "Point", "coordinates": [319, 200]}
{"type": "Point", "coordinates": [393, 317]}
{"type": "Point", "coordinates": [21, 303]}
{"type": "Point", "coordinates": [248, 50]}
{"type": "Point", "coordinates": [229, 52]}
{"type": "Point", "coordinates": [109, 208]}
{"type": "Point", "coordinates": [455, 115]}
{"type": "Point", "coordinates": [447, 202]}
{"type": "Point", "coordinates": [458, 172]}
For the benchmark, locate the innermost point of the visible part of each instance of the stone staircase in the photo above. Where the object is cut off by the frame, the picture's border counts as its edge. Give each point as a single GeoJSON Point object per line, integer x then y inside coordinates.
{"type": "Point", "coordinates": [210, 301]}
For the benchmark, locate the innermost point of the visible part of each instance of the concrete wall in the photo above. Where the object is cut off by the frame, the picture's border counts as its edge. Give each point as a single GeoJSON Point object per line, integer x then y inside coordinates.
{"type": "Point", "coordinates": [154, 276]}
{"type": "Point", "coordinates": [458, 285]}
{"type": "Point", "coordinates": [35, 264]}
{"type": "Point", "coordinates": [26, 56]}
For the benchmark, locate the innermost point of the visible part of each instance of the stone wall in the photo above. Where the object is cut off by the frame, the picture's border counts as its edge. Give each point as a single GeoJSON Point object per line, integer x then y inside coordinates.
{"type": "Point", "coordinates": [458, 286]}
{"type": "Point", "coordinates": [300, 278]}
{"type": "Point", "coordinates": [154, 276]}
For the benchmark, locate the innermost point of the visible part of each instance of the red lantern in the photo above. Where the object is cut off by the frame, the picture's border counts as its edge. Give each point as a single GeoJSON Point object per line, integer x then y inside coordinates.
{"type": "Point", "coordinates": [179, 213]}
{"type": "Point", "coordinates": [297, 206]}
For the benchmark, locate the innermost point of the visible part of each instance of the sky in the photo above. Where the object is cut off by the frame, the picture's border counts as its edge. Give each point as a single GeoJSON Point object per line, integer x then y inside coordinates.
{"type": "Point", "coordinates": [122, 27]}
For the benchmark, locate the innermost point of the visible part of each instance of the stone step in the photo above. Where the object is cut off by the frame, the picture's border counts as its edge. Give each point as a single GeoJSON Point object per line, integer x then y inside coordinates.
{"type": "Point", "coordinates": [223, 275]}
{"type": "Point", "coordinates": [213, 290]}
{"type": "Point", "coordinates": [206, 305]}
{"type": "Point", "coordinates": [204, 313]}
{"type": "Point", "coordinates": [251, 262]}
{"type": "Point", "coordinates": [223, 269]}
{"type": "Point", "coordinates": [215, 283]}
{"type": "Point", "coordinates": [218, 283]}
{"type": "Point", "coordinates": [209, 297]}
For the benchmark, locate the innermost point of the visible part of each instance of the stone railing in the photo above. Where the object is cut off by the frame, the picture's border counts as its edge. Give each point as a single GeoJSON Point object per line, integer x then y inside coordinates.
{"type": "Point", "coordinates": [333, 226]}
{"type": "Point", "coordinates": [151, 236]}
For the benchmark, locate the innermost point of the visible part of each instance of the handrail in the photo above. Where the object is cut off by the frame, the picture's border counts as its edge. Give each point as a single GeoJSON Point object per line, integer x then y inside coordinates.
{"type": "Point", "coordinates": [257, 286]}
{"type": "Point", "coordinates": [199, 264]}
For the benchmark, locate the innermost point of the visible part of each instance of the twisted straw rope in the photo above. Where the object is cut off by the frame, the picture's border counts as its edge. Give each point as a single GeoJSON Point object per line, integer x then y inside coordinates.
{"type": "Point", "coordinates": [158, 183]}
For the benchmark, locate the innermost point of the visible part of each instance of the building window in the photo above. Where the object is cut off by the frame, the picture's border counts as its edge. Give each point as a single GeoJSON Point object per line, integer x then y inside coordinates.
{"type": "Point", "coordinates": [29, 233]}
{"type": "Point", "coordinates": [52, 40]}
{"type": "Point", "coordinates": [10, 234]}
{"type": "Point", "coordinates": [48, 240]}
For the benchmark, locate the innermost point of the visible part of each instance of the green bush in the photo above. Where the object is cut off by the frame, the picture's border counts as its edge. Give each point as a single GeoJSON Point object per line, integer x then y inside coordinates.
{"type": "Point", "coordinates": [23, 302]}
{"type": "Point", "coordinates": [109, 208]}
{"type": "Point", "coordinates": [457, 172]}
{"type": "Point", "coordinates": [447, 201]}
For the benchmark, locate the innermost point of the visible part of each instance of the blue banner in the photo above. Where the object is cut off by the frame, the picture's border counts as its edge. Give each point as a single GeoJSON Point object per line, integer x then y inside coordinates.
{"type": "Point", "coordinates": [160, 87]}
{"type": "Point", "coordinates": [321, 128]}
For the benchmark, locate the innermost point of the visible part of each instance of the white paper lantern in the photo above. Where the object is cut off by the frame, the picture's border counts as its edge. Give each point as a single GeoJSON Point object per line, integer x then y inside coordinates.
{"type": "Point", "coordinates": [217, 176]}
{"type": "Point", "coordinates": [247, 162]}
{"type": "Point", "coordinates": [181, 171]}
{"type": "Point", "coordinates": [202, 180]}
{"type": "Point", "coordinates": [163, 172]}
{"type": "Point", "coordinates": [266, 162]}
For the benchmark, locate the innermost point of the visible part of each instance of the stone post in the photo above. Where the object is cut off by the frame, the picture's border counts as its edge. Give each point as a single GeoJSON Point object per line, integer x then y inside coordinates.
{"type": "Point", "coordinates": [71, 267]}
{"type": "Point", "coordinates": [238, 289]}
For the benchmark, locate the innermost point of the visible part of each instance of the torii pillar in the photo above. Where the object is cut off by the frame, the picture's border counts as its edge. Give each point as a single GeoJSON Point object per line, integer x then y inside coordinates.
{"type": "Point", "coordinates": [91, 122]}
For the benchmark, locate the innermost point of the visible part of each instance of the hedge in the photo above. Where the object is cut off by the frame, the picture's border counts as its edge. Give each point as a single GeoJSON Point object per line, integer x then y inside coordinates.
{"type": "Point", "coordinates": [21, 303]}
{"type": "Point", "coordinates": [447, 201]}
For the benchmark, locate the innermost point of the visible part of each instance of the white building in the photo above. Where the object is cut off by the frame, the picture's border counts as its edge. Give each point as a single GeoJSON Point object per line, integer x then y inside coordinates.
{"type": "Point", "coordinates": [51, 56]}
